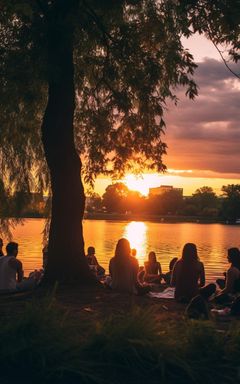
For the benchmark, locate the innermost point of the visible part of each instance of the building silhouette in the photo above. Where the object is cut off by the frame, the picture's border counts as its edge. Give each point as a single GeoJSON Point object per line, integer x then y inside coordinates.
{"type": "Point", "coordinates": [164, 189]}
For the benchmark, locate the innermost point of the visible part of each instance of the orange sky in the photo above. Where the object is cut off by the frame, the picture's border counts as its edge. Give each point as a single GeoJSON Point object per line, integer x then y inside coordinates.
{"type": "Point", "coordinates": [202, 136]}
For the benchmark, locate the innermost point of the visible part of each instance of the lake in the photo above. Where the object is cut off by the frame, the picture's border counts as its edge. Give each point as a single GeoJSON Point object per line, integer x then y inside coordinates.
{"type": "Point", "coordinates": [166, 240]}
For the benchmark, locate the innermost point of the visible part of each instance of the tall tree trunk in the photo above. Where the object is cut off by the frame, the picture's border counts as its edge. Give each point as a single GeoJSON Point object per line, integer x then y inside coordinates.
{"type": "Point", "coordinates": [66, 259]}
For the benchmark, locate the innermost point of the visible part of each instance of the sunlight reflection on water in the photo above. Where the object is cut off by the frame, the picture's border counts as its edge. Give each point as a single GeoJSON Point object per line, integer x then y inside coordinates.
{"type": "Point", "coordinates": [136, 233]}
{"type": "Point", "coordinates": [166, 240]}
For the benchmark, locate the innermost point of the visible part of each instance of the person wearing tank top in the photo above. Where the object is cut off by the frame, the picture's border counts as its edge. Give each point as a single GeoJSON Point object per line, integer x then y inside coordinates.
{"type": "Point", "coordinates": [11, 271]}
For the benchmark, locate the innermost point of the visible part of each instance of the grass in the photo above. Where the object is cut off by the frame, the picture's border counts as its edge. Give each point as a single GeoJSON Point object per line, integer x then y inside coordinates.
{"type": "Point", "coordinates": [44, 344]}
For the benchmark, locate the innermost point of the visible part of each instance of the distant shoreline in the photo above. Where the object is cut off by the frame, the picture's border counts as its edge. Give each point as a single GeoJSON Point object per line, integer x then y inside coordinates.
{"type": "Point", "coordinates": [144, 217]}
{"type": "Point", "coordinates": [153, 218]}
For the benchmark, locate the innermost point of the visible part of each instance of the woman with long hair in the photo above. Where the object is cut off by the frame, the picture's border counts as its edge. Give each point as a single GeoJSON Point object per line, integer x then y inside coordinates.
{"type": "Point", "coordinates": [123, 268]}
{"type": "Point", "coordinates": [188, 274]}
{"type": "Point", "coordinates": [153, 269]}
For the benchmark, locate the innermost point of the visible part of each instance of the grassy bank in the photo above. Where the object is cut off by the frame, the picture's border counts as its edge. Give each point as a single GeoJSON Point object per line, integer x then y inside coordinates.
{"type": "Point", "coordinates": [45, 343]}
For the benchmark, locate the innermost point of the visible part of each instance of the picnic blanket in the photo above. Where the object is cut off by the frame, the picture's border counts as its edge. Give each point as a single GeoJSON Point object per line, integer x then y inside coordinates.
{"type": "Point", "coordinates": [168, 293]}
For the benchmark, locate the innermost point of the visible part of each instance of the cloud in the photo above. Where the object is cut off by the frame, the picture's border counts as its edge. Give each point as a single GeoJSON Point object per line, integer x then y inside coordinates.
{"type": "Point", "coordinates": [205, 134]}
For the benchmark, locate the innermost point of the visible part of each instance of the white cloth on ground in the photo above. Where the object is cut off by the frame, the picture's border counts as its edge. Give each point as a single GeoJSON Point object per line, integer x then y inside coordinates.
{"type": "Point", "coordinates": [168, 293]}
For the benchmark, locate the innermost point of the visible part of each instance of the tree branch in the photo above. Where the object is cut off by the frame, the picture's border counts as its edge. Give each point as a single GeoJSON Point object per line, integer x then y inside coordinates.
{"type": "Point", "coordinates": [222, 57]}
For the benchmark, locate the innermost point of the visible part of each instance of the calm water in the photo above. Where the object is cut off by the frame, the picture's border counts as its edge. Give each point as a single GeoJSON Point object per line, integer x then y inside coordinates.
{"type": "Point", "coordinates": [166, 240]}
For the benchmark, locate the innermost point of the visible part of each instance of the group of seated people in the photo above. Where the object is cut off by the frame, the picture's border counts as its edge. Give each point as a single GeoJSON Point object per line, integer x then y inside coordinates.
{"type": "Point", "coordinates": [186, 275]}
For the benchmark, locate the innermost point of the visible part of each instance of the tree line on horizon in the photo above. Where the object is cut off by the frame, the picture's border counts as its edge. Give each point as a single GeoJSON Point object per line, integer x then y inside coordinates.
{"type": "Point", "coordinates": [118, 198]}
{"type": "Point", "coordinates": [203, 202]}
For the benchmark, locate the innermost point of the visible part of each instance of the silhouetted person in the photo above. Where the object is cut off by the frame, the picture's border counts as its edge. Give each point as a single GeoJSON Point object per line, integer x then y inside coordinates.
{"type": "Point", "coordinates": [11, 271]}
{"type": "Point", "coordinates": [198, 307]}
{"type": "Point", "coordinates": [167, 276]}
{"type": "Point", "coordinates": [153, 269]}
{"type": "Point", "coordinates": [188, 274]}
{"type": "Point", "coordinates": [123, 270]}
{"type": "Point", "coordinates": [93, 263]}
{"type": "Point", "coordinates": [1, 246]}
{"type": "Point", "coordinates": [232, 284]}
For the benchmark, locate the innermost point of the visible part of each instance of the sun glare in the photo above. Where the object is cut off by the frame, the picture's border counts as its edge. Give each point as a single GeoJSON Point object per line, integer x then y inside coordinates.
{"type": "Point", "coordinates": [135, 183]}
{"type": "Point", "coordinates": [136, 232]}
{"type": "Point", "coordinates": [144, 182]}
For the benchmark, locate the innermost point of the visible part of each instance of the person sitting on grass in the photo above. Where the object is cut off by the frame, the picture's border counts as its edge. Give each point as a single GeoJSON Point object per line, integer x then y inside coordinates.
{"type": "Point", "coordinates": [198, 307]}
{"type": "Point", "coordinates": [167, 276]}
{"type": "Point", "coordinates": [188, 274]}
{"type": "Point", "coordinates": [1, 247]}
{"type": "Point", "coordinates": [123, 270]}
{"type": "Point", "coordinates": [93, 263]}
{"type": "Point", "coordinates": [11, 270]}
{"type": "Point", "coordinates": [232, 284]}
{"type": "Point", "coordinates": [153, 269]}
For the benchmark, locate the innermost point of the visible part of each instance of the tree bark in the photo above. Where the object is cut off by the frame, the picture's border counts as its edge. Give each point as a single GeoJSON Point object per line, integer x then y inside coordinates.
{"type": "Point", "coordinates": [66, 258]}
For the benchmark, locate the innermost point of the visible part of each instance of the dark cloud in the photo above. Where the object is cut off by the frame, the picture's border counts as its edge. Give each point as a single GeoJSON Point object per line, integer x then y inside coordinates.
{"type": "Point", "coordinates": [205, 134]}
{"type": "Point", "coordinates": [216, 71]}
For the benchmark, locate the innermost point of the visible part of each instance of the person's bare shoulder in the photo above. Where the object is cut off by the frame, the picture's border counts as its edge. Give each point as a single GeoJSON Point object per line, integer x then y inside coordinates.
{"type": "Point", "coordinates": [15, 264]}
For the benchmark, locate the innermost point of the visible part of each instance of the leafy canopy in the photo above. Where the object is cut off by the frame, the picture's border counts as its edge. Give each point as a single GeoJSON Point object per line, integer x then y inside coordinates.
{"type": "Point", "coordinates": [128, 59]}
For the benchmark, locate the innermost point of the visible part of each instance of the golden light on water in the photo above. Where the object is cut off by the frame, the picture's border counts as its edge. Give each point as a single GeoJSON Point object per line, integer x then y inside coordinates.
{"type": "Point", "coordinates": [136, 233]}
{"type": "Point", "coordinates": [165, 239]}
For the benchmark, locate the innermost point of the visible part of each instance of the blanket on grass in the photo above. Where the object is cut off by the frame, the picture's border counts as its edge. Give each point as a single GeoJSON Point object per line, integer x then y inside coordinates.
{"type": "Point", "coordinates": [168, 293]}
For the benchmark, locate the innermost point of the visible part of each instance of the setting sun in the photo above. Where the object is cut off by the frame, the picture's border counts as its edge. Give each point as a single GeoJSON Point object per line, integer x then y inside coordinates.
{"type": "Point", "coordinates": [137, 184]}
{"type": "Point", "coordinates": [144, 182]}
{"type": "Point", "coordinates": [148, 180]}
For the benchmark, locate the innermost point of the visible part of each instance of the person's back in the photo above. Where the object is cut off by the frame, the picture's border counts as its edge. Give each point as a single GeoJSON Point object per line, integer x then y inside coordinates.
{"type": "Point", "coordinates": [188, 274]}
{"type": "Point", "coordinates": [10, 268]}
{"type": "Point", "coordinates": [233, 274]}
{"type": "Point", "coordinates": [124, 274]}
{"type": "Point", "coordinates": [7, 274]}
